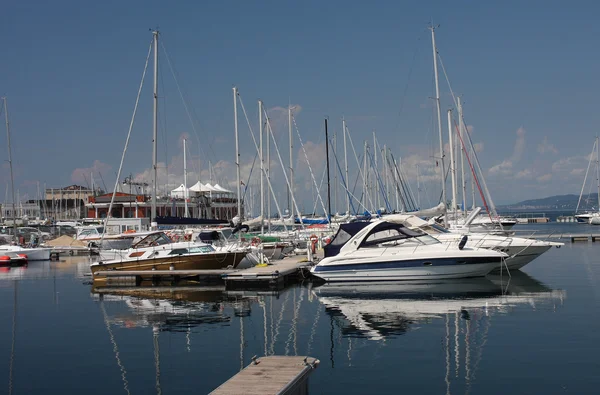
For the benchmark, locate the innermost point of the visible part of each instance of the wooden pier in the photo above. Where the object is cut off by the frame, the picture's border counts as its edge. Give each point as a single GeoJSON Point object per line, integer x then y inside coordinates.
{"type": "Point", "coordinates": [275, 275]}
{"type": "Point", "coordinates": [270, 376]}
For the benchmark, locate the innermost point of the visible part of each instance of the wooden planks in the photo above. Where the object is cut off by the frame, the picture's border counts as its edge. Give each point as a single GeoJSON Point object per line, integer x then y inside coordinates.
{"type": "Point", "coordinates": [271, 375]}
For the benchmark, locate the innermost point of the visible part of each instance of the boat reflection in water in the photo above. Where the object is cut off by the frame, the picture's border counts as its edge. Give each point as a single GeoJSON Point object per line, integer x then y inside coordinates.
{"type": "Point", "coordinates": [173, 309]}
{"type": "Point", "coordinates": [378, 310]}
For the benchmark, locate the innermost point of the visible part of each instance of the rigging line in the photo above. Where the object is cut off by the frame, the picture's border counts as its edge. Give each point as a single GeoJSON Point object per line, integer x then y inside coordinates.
{"type": "Point", "coordinates": [137, 100]}
{"type": "Point", "coordinates": [356, 179]}
{"type": "Point", "coordinates": [247, 185]}
{"type": "Point", "coordinates": [473, 172]}
{"type": "Point", "coordinates": [406, 186]}
{"type": "Point", "coordinates": [287, 181]}
{"type": "Point", "coordinates": [410, 71]}
{"type": "Point", "coordinates": [395, 176]}
{"type": "Point", "coordinates": [403, 194]}
{"type": "Point", "coordinates": [358, 163]}
{"type": "Point", "coordinates": [308, 163]}
{"type": "Point", "coordinates": [343, 180]}
{"type": "Point", "coordinates": [378, 179]}
{"type": "Point", "coordinates": [586, 175]}
{"type": "Point", "coordinates": [410, 192]}
{"type": "Point", "coordinates": [264, 170]}
{"type": "Point", "coordinates": [314, 210]}
{"type": "Point", "coordinates": [185, 105]}
{"type": "Point", "coordinates": [163, 123]}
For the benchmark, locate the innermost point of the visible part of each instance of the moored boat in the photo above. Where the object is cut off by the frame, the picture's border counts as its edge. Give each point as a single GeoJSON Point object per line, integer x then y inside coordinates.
{"type": "Point", "coordinates": [156, 251]}
{"type": "Point", "coordinates": [390, 251]}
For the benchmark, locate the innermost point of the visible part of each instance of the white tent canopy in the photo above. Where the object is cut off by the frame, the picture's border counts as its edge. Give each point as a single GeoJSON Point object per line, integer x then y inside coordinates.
{"type": "Point", "coordinates": [221, 189]}
{"type": "Point", "coordinates": [180, 192]}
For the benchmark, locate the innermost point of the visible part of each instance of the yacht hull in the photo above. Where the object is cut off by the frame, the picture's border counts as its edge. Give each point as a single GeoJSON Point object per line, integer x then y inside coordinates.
{"type": "Point", "coordinates": [412, 269]}
{"type": "Point", "coordinates": [177, 262]}
{"type": "Point", "coordinates": [33, 254]}
{"type": "Point", "coordinates": [519, 256]}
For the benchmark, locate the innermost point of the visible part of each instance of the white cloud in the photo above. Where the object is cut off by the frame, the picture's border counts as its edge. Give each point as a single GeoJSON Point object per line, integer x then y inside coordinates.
{"type": "Point", "coordinates": [546, 147]}
{"type": "Point", "coordinates": [503, 168]}
{"type": "Point", "coordinates": [544, 178]}
{"type": "Point", "coordinates": [82, 175]}
{"type": "Point", "coordinates": [525, 174]}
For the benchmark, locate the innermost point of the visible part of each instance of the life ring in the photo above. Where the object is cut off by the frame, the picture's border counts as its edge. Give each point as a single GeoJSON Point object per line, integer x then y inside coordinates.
{"type": "Point", "coordinates": [256, 241]}
{"type": "Point", "coordinates": [313, 238]}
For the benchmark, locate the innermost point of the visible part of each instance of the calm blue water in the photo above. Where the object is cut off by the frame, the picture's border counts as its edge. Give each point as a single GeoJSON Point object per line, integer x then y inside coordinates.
{"type": "Point", "coordinates": [538, 333]}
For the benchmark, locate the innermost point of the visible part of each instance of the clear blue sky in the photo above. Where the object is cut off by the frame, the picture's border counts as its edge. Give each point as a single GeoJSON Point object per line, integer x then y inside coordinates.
{"type": "Point", "coordinates": [527, 72]}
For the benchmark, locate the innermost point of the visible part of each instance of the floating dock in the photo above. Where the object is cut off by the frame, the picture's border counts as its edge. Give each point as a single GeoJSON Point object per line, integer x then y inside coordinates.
{"type": "Point", "coordinates": [270, 376]}
{"type": "Point", "coordinates": [275, 275]}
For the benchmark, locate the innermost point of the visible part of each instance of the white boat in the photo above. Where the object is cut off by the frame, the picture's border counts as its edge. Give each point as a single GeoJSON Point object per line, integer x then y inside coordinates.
{"type": "Point", "coordinates": [390, 251]}
{"type": "Point", "coordinates": [590, 217]}
{"type": "Point", "coordinates": [520, 250]}
{"type": "Point", "coordinates": [33, 254]}
{"type": "Point", "coordinates": [157, 251]}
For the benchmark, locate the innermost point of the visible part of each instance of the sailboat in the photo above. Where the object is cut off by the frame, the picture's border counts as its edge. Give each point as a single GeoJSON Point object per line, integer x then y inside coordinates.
{"type": "Point", "coordinates": [29, 253]}
{"type": "Point", "coordinates": [590, 217]}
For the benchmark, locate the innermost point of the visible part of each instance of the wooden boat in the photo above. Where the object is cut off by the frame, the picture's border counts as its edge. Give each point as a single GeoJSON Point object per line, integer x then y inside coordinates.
{"type": "Point", "coordinates": [156, 251]}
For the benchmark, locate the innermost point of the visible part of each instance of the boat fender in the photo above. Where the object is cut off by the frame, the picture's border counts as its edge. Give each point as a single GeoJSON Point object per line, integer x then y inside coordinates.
{"type": "Point", "coordinates": [463, 241]}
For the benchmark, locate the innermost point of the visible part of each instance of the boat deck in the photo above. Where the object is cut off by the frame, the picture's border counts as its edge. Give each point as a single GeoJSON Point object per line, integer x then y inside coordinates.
{"type": "Point", "coordinates": [271, 375]}
{"type": "Point", "coordinates": [275, 275]}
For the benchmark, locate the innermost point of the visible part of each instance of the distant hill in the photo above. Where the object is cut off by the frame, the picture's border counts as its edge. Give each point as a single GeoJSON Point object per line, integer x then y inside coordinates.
{"type": "Point", "coordinates": [558, 202]}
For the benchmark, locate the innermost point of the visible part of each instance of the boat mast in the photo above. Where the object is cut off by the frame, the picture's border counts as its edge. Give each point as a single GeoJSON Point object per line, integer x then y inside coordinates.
{"type": "Point", "coordinates": [268, 136]}
{"type": "Point", "coordinates": [237, 155]}
{"type": "Point", "coordinates": [452, 163]}
{"type": "Point", "coordinates": [185, 188]}
{"type": "Point", "coordinates": [291, 188]}
{"type": "Point", "coordinates": [12, 179]}
{"type": "Point", "coordinates": [461, 131]}
{"type": "Point", "coordinates": [597, 171]}
{"type": "Point", "coordinates": [375, 172]}
{"type": "Point", "coordinates": [346, 168]}
{"type": "Point", "coordinates": [262, 169]}
{"type": "Point", "coordinates": [439, 119]}
{"type": "Point", "coordinates": [155, 133]}
{"type": "Point", "coordinates": [328, 179]}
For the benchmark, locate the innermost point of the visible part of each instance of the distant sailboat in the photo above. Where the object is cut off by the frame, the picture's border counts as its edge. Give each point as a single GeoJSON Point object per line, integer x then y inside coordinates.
{"type": "Point", "coordinates": [590, 217]}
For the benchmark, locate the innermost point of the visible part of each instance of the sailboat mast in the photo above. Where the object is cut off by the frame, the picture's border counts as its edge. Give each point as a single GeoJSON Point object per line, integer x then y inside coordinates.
{"type": "Point", "coordinates": [237, 154]}
{"type": "Point", "coordinates": [291, 189]}
{"type": "Point", "coordinates": [328, 179]}
{"type": "Point", "coordinates": [597, 170]}
{"type": "Point", "coordinates": [346, 167]}
{"type": "Point", "coordinates": [155, 132]}
{"type": "Point", "coordinates": [439, 119]}
{"type": "Point", "coordinates": [452, 162]}
{"type": "Point", "coordinates": [262, 169]}
{"type": "Point", "coordinates": [185, 187]}
{"type": "Point", "coordinates": [12, 179]}
{"type": "Point", "coordinates": [461, 131]}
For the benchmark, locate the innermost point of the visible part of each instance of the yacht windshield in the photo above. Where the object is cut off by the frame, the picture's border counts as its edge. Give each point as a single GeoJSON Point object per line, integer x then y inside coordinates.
{"type": "Point", "coordinates": [154, 239]}
{"type": "Point", "coordinates": [389, 234]}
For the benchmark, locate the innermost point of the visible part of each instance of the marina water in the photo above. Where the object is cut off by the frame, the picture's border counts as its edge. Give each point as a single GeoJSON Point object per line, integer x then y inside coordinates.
{"type": "Point", "coordinates": [537, 331]}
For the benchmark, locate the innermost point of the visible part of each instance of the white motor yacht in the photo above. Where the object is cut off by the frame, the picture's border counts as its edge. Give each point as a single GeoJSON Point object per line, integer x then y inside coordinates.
{"type": "Point", "coordinates": [520, 250]}
{"type": "Point", "coordinates": [386, 250]}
